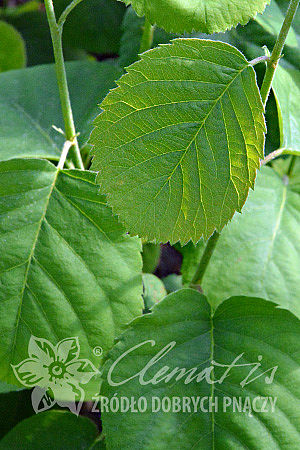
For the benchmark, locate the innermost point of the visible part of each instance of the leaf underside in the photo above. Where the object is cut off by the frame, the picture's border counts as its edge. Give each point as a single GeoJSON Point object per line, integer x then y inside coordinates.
{"type": "Point", "coordinates": [178, 144]}
{"type": "Point", "coordinates": [30, 105]}
{"type": "Point", "coordinates": [240, 326]}
{"type": "Point", "coordinates": [259, 252]}
{"type": "Point", "coordinates": [286, 86]}
{"type": "Point", "coordinates": [207, 16]}
{"type": "Point", "coordinates": [67, 268]}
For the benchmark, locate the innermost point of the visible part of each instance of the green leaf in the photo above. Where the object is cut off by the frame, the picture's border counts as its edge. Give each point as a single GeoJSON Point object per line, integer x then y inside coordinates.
{"type": "Point", "coordinates": [12, 48]}
{"type": "Point", "coordinates": [283, 5]}
{"type": "Point", "coordinates": [282, 168]}
{"type": "Point", "coordinates": [132, 27]}
{"type": "Point", "coordinates": [251, 38]}
{"type": "Point", "coordinates": [94, 25]}
{"type": "Point", "coordinates": [154, 290]}
{"type": "Point", "coordinates": [67, 267]}
{"type": "Point", "coordinates": [51, 429]}
{"type": "Point", "coordinates": [259, 252]}
{"type": "Point", "coordinates": [286, 86]}
{"type": "Point", "coordinates": [248, 328]}
{"type": "Point", "coordinates": [31, 22]}
{"type": "Point", "coordinates": [30, 105]}
{"type": "Point", "coordinates": [34, 29]}
{"type": "Point", "coordinates": [151, 255]}
{"type": "Point", "coordinates": [191, 257]}
{"type": "Point", "coordinates": [179, 141]}
{"type": "Point", "coordinates": [6, 388]}
{"type": "Point", "coordinates": [173, 282]}
{"type": "Point", "coordinates": [199, 15]}
{"type": "Point", "coordinates": [272, 19]}
{"type": "Point", "coordinates": [15, 406]}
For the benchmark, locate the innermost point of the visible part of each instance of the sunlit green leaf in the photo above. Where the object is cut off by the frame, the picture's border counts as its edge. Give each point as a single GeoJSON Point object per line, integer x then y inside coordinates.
{"type": "Point", "coordinates": [179, 141]}
{"type": "Point", "coordinates": [199, 15]}
{"type": "Point", "coordinates": [173, 282]}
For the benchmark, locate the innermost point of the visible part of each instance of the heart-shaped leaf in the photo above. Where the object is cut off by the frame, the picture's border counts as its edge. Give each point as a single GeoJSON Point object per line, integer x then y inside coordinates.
{"type": "Point", "coordinates": [183, 357]}
{"type": "Point", "coordinates": [179, 141]}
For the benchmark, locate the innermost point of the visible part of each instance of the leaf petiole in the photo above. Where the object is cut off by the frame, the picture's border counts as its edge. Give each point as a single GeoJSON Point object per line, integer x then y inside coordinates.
{"type": "Point", "coordinates": [258, 60]}
{"type": "Point", "coordinates": [64, 154]}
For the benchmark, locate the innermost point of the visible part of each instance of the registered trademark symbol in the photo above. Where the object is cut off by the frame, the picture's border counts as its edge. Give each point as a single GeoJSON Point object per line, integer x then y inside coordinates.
{"type": "Point", "coordinates": [98, 351]}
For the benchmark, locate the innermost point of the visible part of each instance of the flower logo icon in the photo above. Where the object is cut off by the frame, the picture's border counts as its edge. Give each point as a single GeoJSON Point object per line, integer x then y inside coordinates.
{"type": "Point", "coordinates": [56, 373]}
